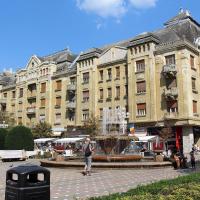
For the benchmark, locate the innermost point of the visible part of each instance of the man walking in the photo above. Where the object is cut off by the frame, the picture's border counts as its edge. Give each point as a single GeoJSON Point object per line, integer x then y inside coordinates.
{"type": "Point", "coordinates": [87, 151]}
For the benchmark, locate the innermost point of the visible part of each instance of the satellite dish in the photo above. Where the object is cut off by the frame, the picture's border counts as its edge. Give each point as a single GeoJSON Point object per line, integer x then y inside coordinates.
{"type": "Point", "coordinates": [197, 42]}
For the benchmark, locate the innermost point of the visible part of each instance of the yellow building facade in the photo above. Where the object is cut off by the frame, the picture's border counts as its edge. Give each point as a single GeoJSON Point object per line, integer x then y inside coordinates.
{"type": "Point", "coordinates": [155, 76]}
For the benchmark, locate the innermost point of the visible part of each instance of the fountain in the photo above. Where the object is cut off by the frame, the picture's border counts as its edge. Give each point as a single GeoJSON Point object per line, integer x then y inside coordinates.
{"type": "Point", "coordinates": [113, 141]}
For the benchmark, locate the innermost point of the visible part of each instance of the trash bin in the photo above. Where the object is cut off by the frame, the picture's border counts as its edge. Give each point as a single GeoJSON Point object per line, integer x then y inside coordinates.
{"type": "Point", "coordinates": [27, 182]}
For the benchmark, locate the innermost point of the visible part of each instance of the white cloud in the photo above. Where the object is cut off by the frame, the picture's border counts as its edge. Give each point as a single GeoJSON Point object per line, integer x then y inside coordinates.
{"type": "Point", "coordinates": [113, 8]}
{"type": "Point", "coordinates": [104, 8]}
{"type": "Point", "coordinates": [142, 4]}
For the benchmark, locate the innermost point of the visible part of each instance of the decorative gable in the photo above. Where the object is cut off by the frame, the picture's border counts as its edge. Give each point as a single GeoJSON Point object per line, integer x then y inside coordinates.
{"type": "Point", "coordinates": [113, 54]}
{"type": "Point", "coordinates": [33, 62]}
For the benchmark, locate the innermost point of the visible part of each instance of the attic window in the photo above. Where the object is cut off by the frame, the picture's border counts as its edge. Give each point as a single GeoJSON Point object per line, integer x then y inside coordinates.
{"type": "Point", "coordinates": [33, 64]}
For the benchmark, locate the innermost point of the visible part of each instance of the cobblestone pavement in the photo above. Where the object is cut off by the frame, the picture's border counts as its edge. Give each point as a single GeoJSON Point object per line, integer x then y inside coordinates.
{"type": "Point", "coordinates": [68, 184]}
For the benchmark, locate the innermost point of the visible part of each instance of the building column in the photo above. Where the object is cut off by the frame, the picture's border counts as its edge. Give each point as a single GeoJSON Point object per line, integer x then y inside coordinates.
{"type": "Point", "coordinates": [188, 140]}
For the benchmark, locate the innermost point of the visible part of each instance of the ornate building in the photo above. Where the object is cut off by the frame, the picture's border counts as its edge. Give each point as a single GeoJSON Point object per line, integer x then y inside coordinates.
{"type": "Point", "coordinates": [155, 76]}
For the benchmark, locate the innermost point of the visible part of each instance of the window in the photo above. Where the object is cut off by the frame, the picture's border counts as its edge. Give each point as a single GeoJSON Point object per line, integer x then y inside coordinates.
{"type": "Point", "coordinates": [86, 96]}
{"type": "Point", "coordinates": [101, 75]}
{"type": "Point", "coordinates": [194, 106]}
{"type": "Point", "coordinates": [43, 102]}
{"type": "Point", "coordinates": [72, 80]}
{"type": "Point", "coordinates": [58, 118]}
{"type": "Point", "coordinates": [42, 118]}
{"type": "Point", "coordinates": [141, 87]}
{"type": "Point", "coordinates": [143, 47]}
{"type": "Point", "coordinates": [193, 83]}
{"type": "Point", "coordinates": [117, 92]}
{"type": "Point", "coordinates": [140, 65]}
{"type": "Point", "coordinates": [58, 101]}
{"type": "Point", "coordinates": [43, 87]}
{"type": "Point", "coordinates": [141, 109]}
{"type": "Point", "coordinates": [58, 85]}
{"type": "Point", "coordinates": [101, 113]}
{"type": "Point", "coordinates": [109, 93]}
{"type": "Point", "coordinates": [20, 92]}
{"type": "Point", "coordinates": [172, 106]}
{"type": "Point", "coordinates": [85, 115]}
{"type": "Point", "coordinates": [135, 50]}
{"type": "Point", "coordinates": [86, 77]}
{"type": "Point", "coordinates": [13, 94]}
{"type": "Point", "coordinates": [170, 59]}
{"type": "Point", "coordinates": [109, 74]}
{"type": "Point", "coordinates": [117, 72]}
{"type": "Point", "coordinates": [126, 70]}
{"type": "Point", "coordinates": [126, 90]}
{"type": "Point", "coordinates": [20, 106]}
{"type": "Point", "coordinates": [101, 94]}
{"type": "Point", "coordinates": [5, 94]}
{"type": "Point", "coordinates": [192, 62]}
{"type": "Point", "coordinates": [19, 120]}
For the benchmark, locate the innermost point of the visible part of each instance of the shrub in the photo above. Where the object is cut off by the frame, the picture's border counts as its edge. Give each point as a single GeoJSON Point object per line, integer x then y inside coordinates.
{"type": "Point", "coordinates": [18, 138]}
{"type": "Point", "coordinates": [181, 188]}
{"type": "Point", "coordinates": [3, 133]}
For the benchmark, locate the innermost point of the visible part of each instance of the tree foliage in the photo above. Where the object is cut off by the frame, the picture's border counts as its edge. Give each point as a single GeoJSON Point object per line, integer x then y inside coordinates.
{"type": "Point", "coordinates": [91, 126]}
{"type": "Point", "coordinates": [19, 137]}
{"type": "Point", "coordinates": [6, 118]}
{"type": "Point", "coordinates": [42, 130]}
{"type": "Point", "coordinates": [3, 134]}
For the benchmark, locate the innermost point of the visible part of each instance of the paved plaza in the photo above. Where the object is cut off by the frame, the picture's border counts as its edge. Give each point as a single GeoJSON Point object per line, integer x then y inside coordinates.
{"type": "Point", "coordinates": [68, 184]}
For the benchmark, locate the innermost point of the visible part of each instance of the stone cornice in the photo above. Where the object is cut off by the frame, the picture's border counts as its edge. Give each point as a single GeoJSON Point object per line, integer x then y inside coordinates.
{"type": "Point", "coordinates": [175, 45]}
{"type": "Point", "coordinates": [112, 62]}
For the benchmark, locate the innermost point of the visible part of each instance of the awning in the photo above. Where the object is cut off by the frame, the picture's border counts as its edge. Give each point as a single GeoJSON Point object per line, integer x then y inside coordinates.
{"type": "Point", "coordinates": [68, 140]}
{"type": "Point", "coordinates": [146, 138]}
{"type": "Point", "coordinates": [43, 140]}
{"type": "Point", "coordinates": [57, 133]}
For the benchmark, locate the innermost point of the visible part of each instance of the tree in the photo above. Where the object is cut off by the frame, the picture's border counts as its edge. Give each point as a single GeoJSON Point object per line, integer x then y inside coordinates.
{"type": "Point", "coordinates": [3, 134]}
{"type": "Point", "coordinates": [19, 137]}
{"type": "Point", "coordinates": [6, 118]}
{"type": "Point", "coordinates": [91, 126]}
{"type": "Point", "coordinates": [42, 130]}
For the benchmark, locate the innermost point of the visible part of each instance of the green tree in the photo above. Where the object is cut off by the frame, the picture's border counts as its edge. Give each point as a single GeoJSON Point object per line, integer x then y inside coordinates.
{"type": "Point", "coordinates": [42, 130]}
{"type": "Point", "coordinates": [19, 137]}
{"type": "Point", "coordinates": [3, 134]}
{"type": "Point", "coordinates": [91, 126]}
{"type": "Point", "coordinates": [7, 118]}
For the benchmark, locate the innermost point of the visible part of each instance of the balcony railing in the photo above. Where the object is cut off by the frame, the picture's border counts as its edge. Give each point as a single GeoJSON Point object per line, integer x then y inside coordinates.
{"type": "Point", "coordinates": [2, 101]}
{"type": "Point", "coordinates": [31, 110]}
{"type": "Point", "coordinates": [71, 87]}
{"type": "Point", "coordinates": [31, 95]}
{"type": "Point", "coordinates": [171, 93]}
{"type": "Point", "coordinates": [169, 70]}
{"type": "Point", "coordinates": [71, 104]}
{"type": "Point", "coordinates": [171, 115]}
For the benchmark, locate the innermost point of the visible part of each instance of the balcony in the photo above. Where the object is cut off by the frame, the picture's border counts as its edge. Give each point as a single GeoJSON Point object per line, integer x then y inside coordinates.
{"type": "Point", "coordinates": [71, 87]}
{"type": "Point", "coordinates": [31, 95]}
{"type": "Point", "coordinates": [71, 104]}
{"type": "Point", "coordinates": [2, 101]}
{"type": "Point", "coordinates": [171, 115]}
{"type": "Point", "coordinates": [171, 93]}
{"type": "Point", "coordinates": [169, 70]}
{"type": "Point", "coordinates": [31, 110]}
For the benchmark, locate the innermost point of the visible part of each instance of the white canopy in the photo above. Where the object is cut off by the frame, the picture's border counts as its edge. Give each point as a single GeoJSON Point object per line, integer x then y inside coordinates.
{"type": "Point", "coordinates": [68, 140]}
{"type": "Point", "coordinates": [147, 138]}
{"type": "Point", "coordinates": [43, 140]}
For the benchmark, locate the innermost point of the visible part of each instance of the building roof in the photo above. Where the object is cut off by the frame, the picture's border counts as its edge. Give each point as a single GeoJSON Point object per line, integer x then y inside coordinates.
{"type": "Point", "coordinates": [58, 57]}
{"type": "Point", "coordinates": [7, 78]}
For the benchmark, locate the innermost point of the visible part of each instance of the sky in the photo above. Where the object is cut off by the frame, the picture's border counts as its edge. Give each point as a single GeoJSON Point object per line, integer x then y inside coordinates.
{"type": "Point", "coordinates": [42, 27]}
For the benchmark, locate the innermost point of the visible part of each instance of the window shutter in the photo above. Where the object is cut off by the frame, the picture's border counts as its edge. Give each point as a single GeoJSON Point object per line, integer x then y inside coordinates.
{"type": "Point", "coordinates": [141, 106]}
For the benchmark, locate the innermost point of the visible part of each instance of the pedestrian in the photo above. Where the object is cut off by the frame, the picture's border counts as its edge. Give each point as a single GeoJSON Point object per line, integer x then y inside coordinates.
{"type": "Point", "coordinates": [87, 151]}
{"type": "Point", "coordinates": [192, 159]}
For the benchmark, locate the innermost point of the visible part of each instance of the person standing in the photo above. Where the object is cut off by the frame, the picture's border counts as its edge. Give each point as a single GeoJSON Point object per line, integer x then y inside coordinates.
{"type": "Point", "coordinates": [192, 159]}
{"type": "Point", "coordinates": [87, 151]}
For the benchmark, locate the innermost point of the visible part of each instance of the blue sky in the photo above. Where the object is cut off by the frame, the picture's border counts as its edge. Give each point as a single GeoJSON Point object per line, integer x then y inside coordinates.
{"type": "Point", "coordinates": [41, 27]}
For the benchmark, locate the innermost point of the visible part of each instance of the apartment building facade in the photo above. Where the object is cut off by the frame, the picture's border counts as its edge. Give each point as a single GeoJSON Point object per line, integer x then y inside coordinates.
{"type": "Point", "coordinates": [155, 76]}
